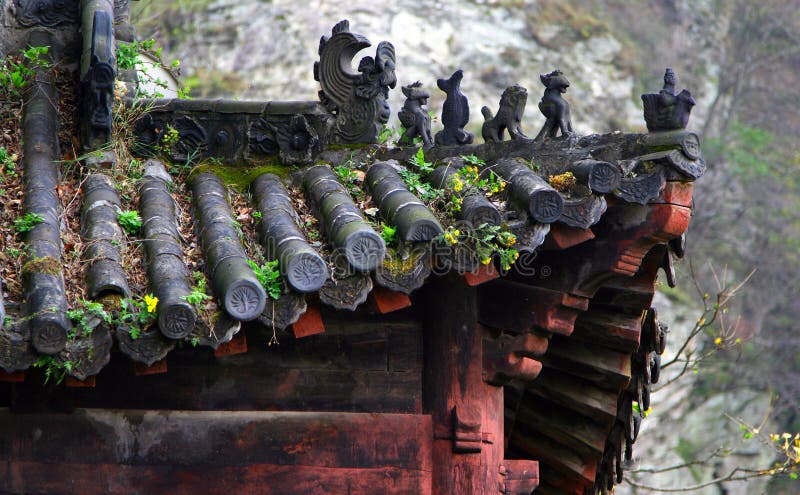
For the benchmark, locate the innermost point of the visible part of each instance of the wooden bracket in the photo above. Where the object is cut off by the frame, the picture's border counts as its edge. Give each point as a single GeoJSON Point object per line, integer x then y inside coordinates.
{"type": "Point", "coordinates": [519, 476]}
{"type": "Point", "coordinates": [517, 307]}
{"type": "Point", "coordinates": [664, 222]}
{"type": "Point", "coordinates": [510, 358]}
{"type": "Point", "coordinates": [467, 436]}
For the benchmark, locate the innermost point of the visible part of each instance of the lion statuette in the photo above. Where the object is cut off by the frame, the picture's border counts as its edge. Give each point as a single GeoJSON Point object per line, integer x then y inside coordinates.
{"type": "Point", "coordinates": [508, 118]}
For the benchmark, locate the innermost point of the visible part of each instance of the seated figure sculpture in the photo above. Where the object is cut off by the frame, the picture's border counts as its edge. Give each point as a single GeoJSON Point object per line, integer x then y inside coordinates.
{"type": "Point", "coordinates": [665, 110]}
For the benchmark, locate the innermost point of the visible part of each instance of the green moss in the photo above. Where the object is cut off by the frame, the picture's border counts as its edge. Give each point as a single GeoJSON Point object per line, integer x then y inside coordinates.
{"type": "Point", "coordinates": [397, 263]}
{"type": "Point", "coordinates": [241, 177]}
{"type": "Point", "coordinates": [47, 265]}
{"type": "Point", "coordinates": [348, 146]}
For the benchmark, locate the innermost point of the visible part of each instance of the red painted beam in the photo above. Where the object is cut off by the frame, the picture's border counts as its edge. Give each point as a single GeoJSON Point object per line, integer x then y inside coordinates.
{"type": "Point", "coordinates": [140, 369]}
{"type": "Point", "coordinates": [237, 345]}
{"type": "Point", "coordinates": [90, 382]}
{"type": "Point", "coordinates": [16, 377]}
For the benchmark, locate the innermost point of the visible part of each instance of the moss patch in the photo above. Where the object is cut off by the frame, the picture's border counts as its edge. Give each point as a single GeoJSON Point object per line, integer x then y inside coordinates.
{"type": "Point", "coordinates": [46, 265]}
{"type": "Point", "coordinates": [241, 177]}
{"type": "Point", "coordinates": [395, 264]}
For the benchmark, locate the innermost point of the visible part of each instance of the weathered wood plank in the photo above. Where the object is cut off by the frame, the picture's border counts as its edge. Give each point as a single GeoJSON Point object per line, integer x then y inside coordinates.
{"type": "Point", "coordinates": [605, 367]}
{"type": "Point", "coordinates": [214, 452]}
{"type": "Point", "coordinates": [576, 394]}
{"type": "Point", "coordinates": [565, 426]}
{"type": "Point", "coordinates": [554, 456]}
{"type": "Point", "coordinates": [610, 329]}
{"type": "Point", "coordinates": [520, 307]}
{"type": "Point", "coordinates": [241, 438]}
{"type": "Point", "coordinates": [264, 388]}
{"type": "Point", "coordinates": [34, 478]}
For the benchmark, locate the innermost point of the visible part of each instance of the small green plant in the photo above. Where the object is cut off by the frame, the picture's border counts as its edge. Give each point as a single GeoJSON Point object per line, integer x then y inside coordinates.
{"type": "Point", "coordinates": [7, 163]}
{"type": "Point", "coordinates": [198, 295]}
{"type": "Point", "coordinates": [129, 57]}
{"type": "Point", "coordinates": [269, 276]}
{"type": "Point", "coordinates": [170, 137]}
{"type": "Point", "coordinates": [57, 370]}
{"type": "Point", "coordinates": [27, 222]}
{"type": "Point", "coordinates": [256, 214]}
{"type": "Point", "coordinates": [346, 175]}
{"type": "Point", "coordinates": [389, 234]}
{"type": "Point", "coordinates": [81, 314]}
{"type": "Point", "coordinates": [418, 160]}
{"type": "Point", "coordinates": [486, 241]}
{"type": "Point", "coordinates": [16, 72]}
{"type": "Point", "coordinates": [138, 314]}
{"type": "Point", "coordinates": [130, 221]}
{"type": "Point", "coordinates": [425, 191]}
{"type": "Point", "coordinates": [386, 134]}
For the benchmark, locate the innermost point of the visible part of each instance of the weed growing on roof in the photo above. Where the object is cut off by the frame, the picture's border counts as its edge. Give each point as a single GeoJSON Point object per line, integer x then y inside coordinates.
{"type": "Point", "coordinates": [7, 163]}
{"type": "Point", "coordinates": [426, 192]}
{"type": "Point", "coordinates": [386, 134]}
{"type": "Point", "coordinates": [129, 57]}
{"type": "Point", "coordinates": [27, 222]}
{"type": "Point", "coordinates": [485, 241]}
{"type": "Point", "coordinates": [130, 221]}
{"type": "Point", "coordinates": [389, 234]}
{"type": "Point", "coordinates": [16, 72]}
{"type": "Point", "coordinates": [57, 370]}
{"type": "Point", "coordinates": [198, 295]}
{"type": "Point", "coordinates": [138, 314]}
{"type": "Point", "coordinates": [346, 175]}
{"type": "Point", "coordinates": [269, 276]}
{"type": "Point", "coordinates": [80, 316]}
{"type": "Point", "coordinates": [418, 160]}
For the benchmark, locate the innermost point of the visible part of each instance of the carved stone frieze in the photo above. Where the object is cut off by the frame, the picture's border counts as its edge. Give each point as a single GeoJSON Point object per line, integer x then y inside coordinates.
{"type": "Point", "coordinates": [48, 13]}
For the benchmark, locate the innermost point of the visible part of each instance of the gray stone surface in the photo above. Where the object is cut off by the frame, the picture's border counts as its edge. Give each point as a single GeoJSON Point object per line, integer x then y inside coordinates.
{"type": "Point", "coordinates": [155, 169]}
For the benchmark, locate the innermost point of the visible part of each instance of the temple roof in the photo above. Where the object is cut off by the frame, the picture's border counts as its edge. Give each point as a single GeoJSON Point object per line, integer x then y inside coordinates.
{"type": "Point", "coordinates": [170, 234]}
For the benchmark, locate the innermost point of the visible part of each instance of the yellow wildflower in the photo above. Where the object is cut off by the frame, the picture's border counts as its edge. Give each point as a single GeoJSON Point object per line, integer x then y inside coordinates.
{"type": "Point", "coordinates": [456, 232]}
{"type": "Point", "coordinates": [718, 341]}
{"type": "Point", "coordinates": [457, 185]}
{"type": "Point", "coordinates": [510, 240]}
{"type": "Point", "coordinates": [151, 302]}
{"type": "Point", "coordinates": [486, 261]}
